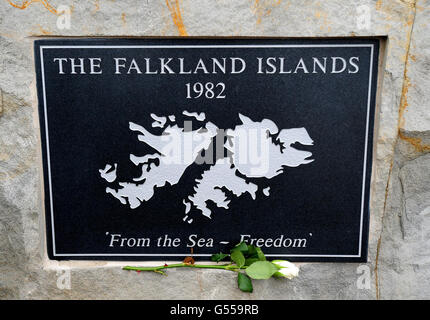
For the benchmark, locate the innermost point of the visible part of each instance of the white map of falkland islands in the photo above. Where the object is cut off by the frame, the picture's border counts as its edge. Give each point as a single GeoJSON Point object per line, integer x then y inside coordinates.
{"type": "Point", "coordinates": [255, 149]}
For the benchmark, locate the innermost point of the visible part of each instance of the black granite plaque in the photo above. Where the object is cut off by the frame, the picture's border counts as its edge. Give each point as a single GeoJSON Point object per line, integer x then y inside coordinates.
{"type": "Point", "coordinates": [153, 149]}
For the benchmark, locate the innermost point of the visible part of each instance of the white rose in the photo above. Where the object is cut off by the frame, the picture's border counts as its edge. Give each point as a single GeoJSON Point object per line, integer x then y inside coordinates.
{"type": "Point", "coordinates": [287, 269]}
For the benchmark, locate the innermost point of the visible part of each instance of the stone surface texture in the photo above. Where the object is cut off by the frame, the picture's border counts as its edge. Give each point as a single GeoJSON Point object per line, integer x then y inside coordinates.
{"type": "Point", "coordinates": [399, 247]}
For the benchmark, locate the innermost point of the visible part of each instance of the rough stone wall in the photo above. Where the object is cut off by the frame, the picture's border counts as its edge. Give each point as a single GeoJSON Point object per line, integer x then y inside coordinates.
{"type": "Point", "coordinates": [399, 247]}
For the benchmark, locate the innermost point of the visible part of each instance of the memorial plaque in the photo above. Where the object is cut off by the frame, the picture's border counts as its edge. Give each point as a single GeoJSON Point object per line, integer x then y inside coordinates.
{"type": "Point", "coordinates": [154, 149]}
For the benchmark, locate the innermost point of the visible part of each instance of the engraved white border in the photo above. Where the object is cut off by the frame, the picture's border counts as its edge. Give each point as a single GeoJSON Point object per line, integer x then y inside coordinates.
{"type": "Point", "coordinates": [369, 95]}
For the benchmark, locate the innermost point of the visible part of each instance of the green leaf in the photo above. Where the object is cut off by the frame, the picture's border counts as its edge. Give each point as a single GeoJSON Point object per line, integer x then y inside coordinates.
{"type": "Point", "coordinates": [238, 257]}
{"type": "Point", "coordinates": [260, 254]}
{"type": "Point", "coordinates": [241, 246]}
{"type": "Point", "coordinates": [250, 261]}
{"type": "Point", "coordinates": [261, 270]}
{"type": "Point", "coordinates": [217, 257]}
{"type": "Point", "coordinates": [244, 282]}
{"type": "Point", "coordinates": [252, 251]}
